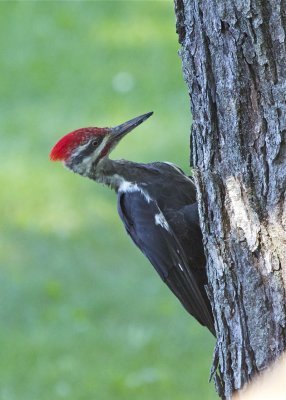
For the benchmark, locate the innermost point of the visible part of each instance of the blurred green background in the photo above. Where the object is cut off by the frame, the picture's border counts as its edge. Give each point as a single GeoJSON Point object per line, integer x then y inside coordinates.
{"type": "Point", "coordinates": [83, 314]}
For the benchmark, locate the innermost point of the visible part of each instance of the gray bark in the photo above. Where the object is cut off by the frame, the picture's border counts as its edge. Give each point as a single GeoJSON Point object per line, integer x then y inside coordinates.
{"type": "Point", "coordinates": [234, 63]}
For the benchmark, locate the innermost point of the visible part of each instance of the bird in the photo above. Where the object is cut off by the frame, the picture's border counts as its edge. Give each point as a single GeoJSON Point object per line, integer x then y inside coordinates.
{"type": "Point", "coordinates": [157, 205]}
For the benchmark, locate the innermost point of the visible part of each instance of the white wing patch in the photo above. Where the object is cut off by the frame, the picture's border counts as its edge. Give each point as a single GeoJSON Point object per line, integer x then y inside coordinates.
{"type": "Point", "coordinates": [181, 268]}
{"type": "Point", "coordinates": [161, 220]}
{"type": "Point", "coordinates": [129, 187]}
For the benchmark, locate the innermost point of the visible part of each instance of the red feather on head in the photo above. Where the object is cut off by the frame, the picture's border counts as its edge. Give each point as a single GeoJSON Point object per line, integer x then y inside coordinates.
{"type": "Point", "coordinates": [65, 146]}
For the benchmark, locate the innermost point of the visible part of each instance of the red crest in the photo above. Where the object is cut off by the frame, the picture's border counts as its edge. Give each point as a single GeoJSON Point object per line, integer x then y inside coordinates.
{"type": "Point", "coordinates": [65, 146]}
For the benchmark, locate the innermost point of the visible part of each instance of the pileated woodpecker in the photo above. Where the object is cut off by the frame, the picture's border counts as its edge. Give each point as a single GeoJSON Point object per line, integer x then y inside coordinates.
{"type": "Point", "coordinates": [157, 204]}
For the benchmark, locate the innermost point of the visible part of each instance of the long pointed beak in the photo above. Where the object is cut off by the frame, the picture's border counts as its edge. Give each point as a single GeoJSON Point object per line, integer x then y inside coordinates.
{"type": "Point", "coordinates": [121, 130]}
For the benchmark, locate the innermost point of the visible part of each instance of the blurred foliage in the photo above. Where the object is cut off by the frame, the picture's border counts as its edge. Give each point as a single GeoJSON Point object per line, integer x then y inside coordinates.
{"type": "Point", "coordinates": [83, 315]}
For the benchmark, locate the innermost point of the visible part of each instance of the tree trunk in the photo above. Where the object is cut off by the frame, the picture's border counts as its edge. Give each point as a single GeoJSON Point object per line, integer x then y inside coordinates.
{"type": "Point", "coordinates": [234, 63]}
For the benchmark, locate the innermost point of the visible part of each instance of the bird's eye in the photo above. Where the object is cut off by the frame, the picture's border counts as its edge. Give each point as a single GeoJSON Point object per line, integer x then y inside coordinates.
{"type": "Point", "coordinates": [95, 142]}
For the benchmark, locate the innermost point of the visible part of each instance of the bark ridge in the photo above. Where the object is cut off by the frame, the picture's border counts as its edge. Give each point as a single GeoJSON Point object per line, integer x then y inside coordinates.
{"type": "Point", "coordinates": [234, 63]}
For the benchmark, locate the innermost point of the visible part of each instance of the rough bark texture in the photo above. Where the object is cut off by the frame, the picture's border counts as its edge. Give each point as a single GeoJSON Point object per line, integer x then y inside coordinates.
{"type": "Point", "coordinates": [234, 63]}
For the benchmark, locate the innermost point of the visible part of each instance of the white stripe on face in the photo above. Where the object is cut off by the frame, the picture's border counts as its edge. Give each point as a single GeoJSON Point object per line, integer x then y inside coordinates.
{"type": "Point", "coordinates": [84, 165]}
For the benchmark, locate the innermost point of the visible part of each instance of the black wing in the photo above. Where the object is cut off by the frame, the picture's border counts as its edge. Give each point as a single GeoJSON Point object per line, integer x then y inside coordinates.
{"type": "Point", "coordinates": [150, 231]}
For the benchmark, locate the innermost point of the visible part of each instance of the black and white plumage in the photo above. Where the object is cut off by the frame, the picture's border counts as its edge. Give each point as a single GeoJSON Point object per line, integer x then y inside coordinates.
{"type": "Point", "coordinates": [169, 234]}
{"type": "Point", "coordinates": [157, 204]}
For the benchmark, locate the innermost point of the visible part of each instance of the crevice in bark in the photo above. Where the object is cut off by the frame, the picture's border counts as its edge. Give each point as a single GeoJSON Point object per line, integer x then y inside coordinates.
{"type": "Point", "coordinates": [180, 26]}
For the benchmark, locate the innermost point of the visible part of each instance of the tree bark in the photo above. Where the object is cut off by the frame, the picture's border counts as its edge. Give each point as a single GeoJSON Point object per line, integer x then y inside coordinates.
{"type": "Point", "coordinates": [234, 63]}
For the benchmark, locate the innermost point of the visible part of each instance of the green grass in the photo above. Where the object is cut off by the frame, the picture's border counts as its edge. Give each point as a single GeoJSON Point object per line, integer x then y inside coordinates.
{"type": "Point", "coordinates": [83, 314]}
